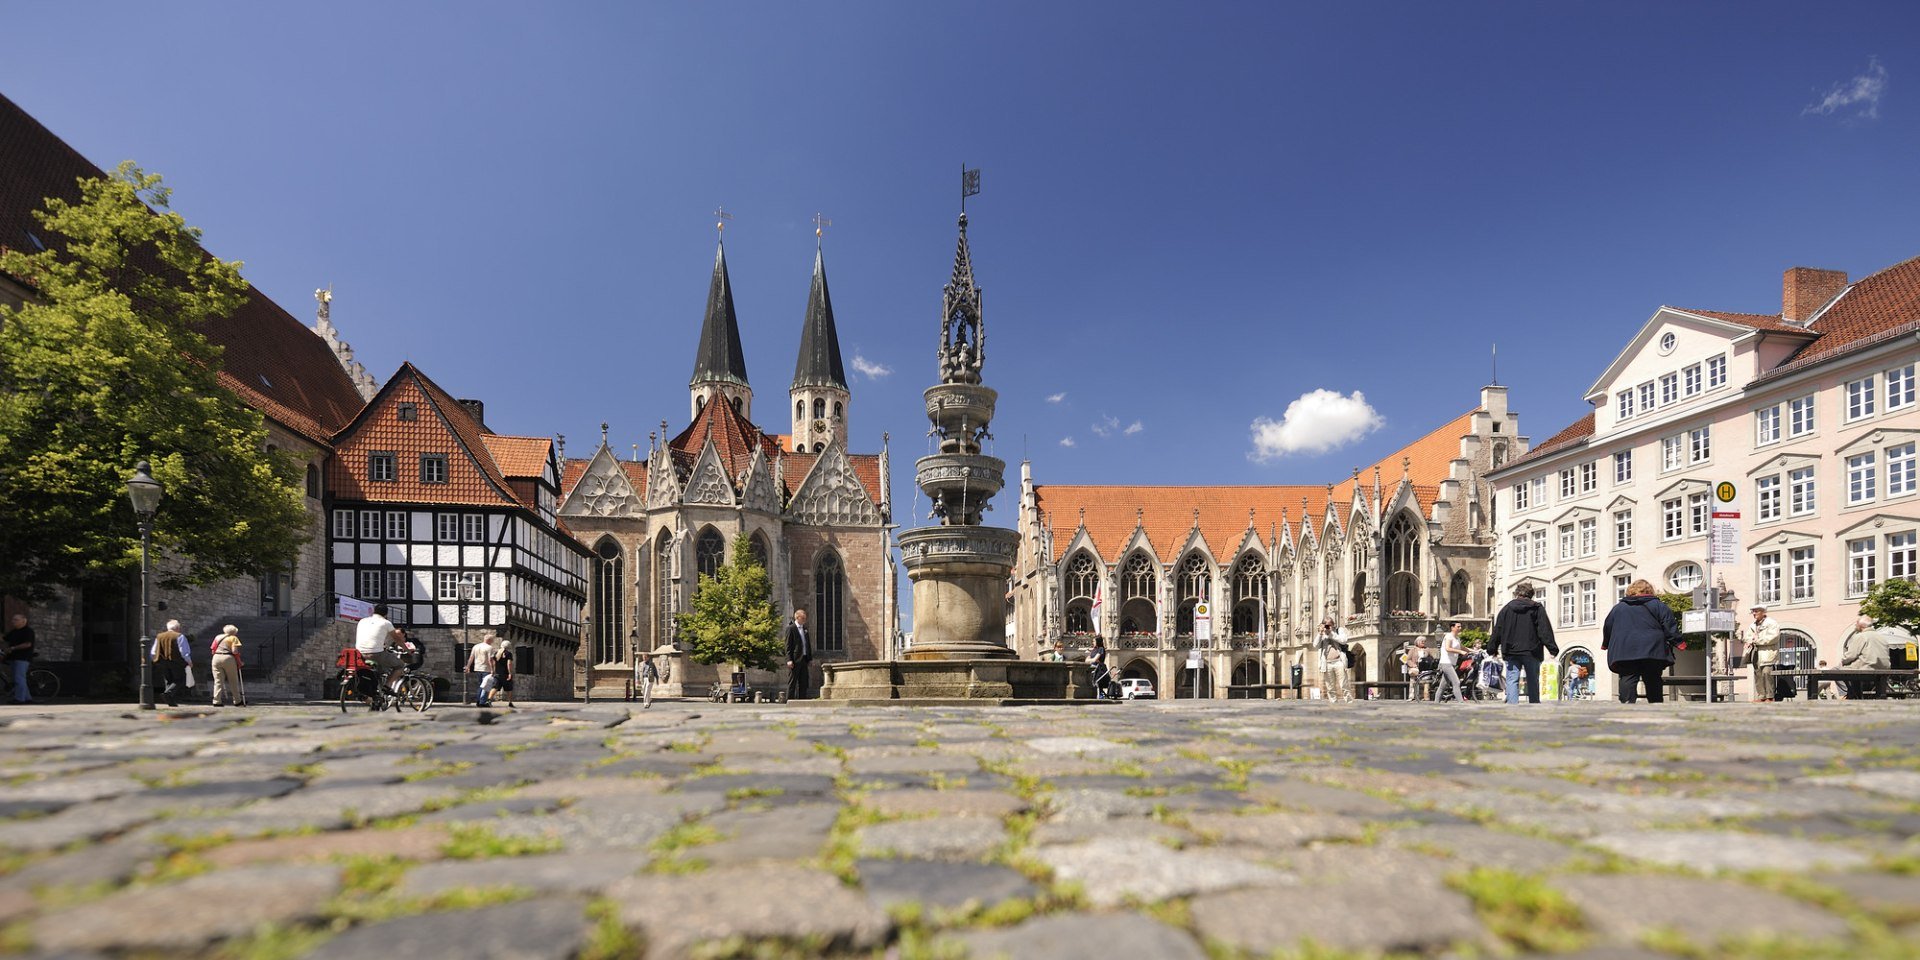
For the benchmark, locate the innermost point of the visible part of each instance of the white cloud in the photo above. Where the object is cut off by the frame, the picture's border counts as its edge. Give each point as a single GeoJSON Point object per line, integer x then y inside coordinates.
{"type": "Point", "coordinates": [871, 370]}
{"type": "Point", "coordinates": [1056, 397]}
{"type": "Point", "coordinates": [1105, 426]}
{"type": "Point", "coordinates": [1066, 441]}
{"type": "Point", "coordinates": [1133, 428]}
{"type": "Point", "coordinates": [1862, 92]}
{"type": "Point", "coordinates": [1319, 421]}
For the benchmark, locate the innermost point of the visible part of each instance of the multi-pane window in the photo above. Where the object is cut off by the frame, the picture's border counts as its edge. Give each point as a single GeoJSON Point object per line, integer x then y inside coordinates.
{"type": "Point", "coordinates": [1697, 514]}
{"type": "Point", "coordinates": [397, 525]}
{"type": "Point", "coordinates": [1684, 577]}
{"type": "Point", "coordinates": [1801, 560]}
{"type": "Point", "coordinates": [1521, 499]}
{"type": "Point", "coordinates": [1862, 477]}
{"type": "Point", "coordinates": [1672, 450]}
{"type": "Point", "coordinates": [1766, 424]}
{"type": "Point", "coordinates": [1901, 555]}
{"type": "Point", "coordinates": [1690, 379]}
{"type": "Point", "coordinates": [369, 585]}
{"type": "Point", "coordinates": [343, 524]}
{"type": "Point", "coordinates": [1621, 581]}
{"type": "Point", "coordinates": [369, 524]}
{"type": "Point", "coordinates": [1859, 398]}
{"type": "Point", "coordinates": [1539, 486]}
{"type": "Point", "coordinates": [448, 584]}
{"type": "Point", "coordinates": [1800, 492]}
{"type": "Point", "coordinates": [1566, 541]}
{"type": "Point", "coordinates": [1540, 548]}
{"type": "Point", "coordinates": [1767, 577]}
{"type": "Point", "coordinates": [1625, 400]}
{"type": "Point", "coordinates": [473, 527]}
{"type": "Point", "coordinates": [398, 587]}
{"type": "Point", "coordinates": [1900, 469]}
{"type": "Point", "coordinates": [1700, 444]}
{"type": "Point", "coordinates": [380, 466]}
{"type": "Point", "coordinates": [1673, 521]}
{"type": "Point", "coordinates": [1716, 371]}
{"type": "Point", "coordinates": [1623, 529]}
{"type": "Point", "coordinates": [1766, 495]}
{"type": "Point", "coordinates": [1568, 611]}
{"type": "Point", "coordinates": [1589, 601]}
{"type": "Point", "coordinates": [1566, 483]}
{"type": "Point", "coordinates": [433, 468]}
{"type": "Point", "coordinates": [1900, 387]}
{"type": "Point", "coordinates": [1623, 467]}
{"type": "Point", "coordinates": [447, 528]}
{"type": "Point", "coordinates": [1669, 388]}
{"type": "Point", "coordinates": [1646, 395]}
{"type": "Point", "coordinates": [1589, 477]}
{"type": "Point", "coordinates": [1589, 537]}
{"type": "Point", "coordinates": [1861, 573]}
{"type": "Point", "coordinates": [1800, 416]}
{"type": "Point", "coordinates": [472, 587]}
{"type": "Point", "coordinates": [1520, 552]}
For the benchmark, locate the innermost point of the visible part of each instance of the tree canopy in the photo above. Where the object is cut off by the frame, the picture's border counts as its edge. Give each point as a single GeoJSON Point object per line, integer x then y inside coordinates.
{"type": "Point", "coordinates": [733, 620]}
{"type": "Point", "coordinates": [107, 366]}
{"type": "Point", "coordinates": [1894, 603]}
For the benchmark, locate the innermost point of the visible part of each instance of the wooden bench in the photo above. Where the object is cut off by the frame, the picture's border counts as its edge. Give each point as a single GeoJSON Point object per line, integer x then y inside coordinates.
{"type": "Point", "coordinates": [1888, 683]}
{"type": "Point", "coordinates": [1697, 680]}
{"type": "Point", "coordinates": [1401, 687]}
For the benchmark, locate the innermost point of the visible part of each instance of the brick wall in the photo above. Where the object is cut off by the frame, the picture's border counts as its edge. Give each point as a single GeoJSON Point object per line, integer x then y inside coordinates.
{"type": "Point", "coordinates": [863, 553]}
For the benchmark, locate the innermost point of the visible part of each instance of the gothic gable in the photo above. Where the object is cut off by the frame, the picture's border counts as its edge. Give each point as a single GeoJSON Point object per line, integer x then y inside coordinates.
{"type": "Point", "coordinates": [663, 485]}
{"type": "Point", "coordinates": [602, 491]}
{"type": "Point", "coordinates": [707, 482]}
{"type": "Point", "coordinates": [760, 493]}
{"type": "Point", "coordinates": [831, 494]}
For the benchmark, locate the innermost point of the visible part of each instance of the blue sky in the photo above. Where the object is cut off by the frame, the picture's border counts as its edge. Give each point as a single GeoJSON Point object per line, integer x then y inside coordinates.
{"type": "Point", "coordinates": [1193, 215]}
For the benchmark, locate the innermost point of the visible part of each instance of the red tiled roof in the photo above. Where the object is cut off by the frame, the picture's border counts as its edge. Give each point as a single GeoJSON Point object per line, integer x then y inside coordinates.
{"type": "Point", "coordinates": [519, 456]}
{"type": "Point", "coordinates": [272, 361]}
{"type": "Point", "coordinates": [1758, 321]}
{"type": "Point", "coordinates": [1167, 513]}
{"type": "Point", "coordinates": [866, 466]}
{"type": "Point", "coordinates": [1883, 305]}
{"type": "Point", "coordinates": [442, 425]}
{"type": "Point", "coordinates": [572, 470]}
{"type": "Point", "coordinates": [1570, 435]}
{"type": "Point", "coordinates": [732, 434]}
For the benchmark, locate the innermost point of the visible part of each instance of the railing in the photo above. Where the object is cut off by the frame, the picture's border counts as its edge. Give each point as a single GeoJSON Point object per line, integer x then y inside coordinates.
{"type": "Point", "coordinates": [267, 657]}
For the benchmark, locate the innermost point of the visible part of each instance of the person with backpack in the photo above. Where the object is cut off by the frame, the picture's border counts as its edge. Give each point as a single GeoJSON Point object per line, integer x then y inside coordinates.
{"type": "Point", "coordinates": [1521, 632]}
{"type": "Point", "coordinates": [1638, 636]}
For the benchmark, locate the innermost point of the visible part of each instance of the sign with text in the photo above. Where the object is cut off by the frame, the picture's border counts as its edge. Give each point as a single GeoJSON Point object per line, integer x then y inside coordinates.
{"type": "Point", "coordinates": [1202, 622]}
{"type": "Point", "coordinates": [352, 610]}
{"type": "Point", "coordinates": [1723, 539]}
{"type": "Point", "coordinates": [1702, 621]}
{"type": "Point", "coordinates": [1193, 659]}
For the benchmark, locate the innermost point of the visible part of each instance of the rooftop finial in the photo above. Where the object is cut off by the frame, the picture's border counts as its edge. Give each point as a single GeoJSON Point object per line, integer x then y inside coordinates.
{"type": "Point", "coordinates": [720, 218]}
{"type": "Point", "coordinates": [820, 225]}
{"type": "Point", "coordinates": [560, 441]}
{"type": "Point", "coordinates": [603, 433]}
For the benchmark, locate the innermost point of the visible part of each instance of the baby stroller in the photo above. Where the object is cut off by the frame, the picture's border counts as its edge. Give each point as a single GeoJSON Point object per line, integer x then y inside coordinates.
{"type": "Point", "coordinates": [1105, 687]}
{"type": "Point", "coordinates": [1467, 670]}
{"type": "Point", "coordinates": [1493, 678]}
{"type": "Point", "coordinates": [1426, 678]}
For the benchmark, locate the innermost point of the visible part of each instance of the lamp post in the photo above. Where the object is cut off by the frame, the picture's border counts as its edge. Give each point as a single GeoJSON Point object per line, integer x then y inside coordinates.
{"type": "Point", "coordinates": [467, 590]}
{"type": "Point", "coordinates": [144, 491]}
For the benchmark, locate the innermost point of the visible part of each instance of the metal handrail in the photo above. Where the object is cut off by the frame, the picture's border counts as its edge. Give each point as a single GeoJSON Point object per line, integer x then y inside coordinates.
{"type": "Point", "coordinates": [318, 611]}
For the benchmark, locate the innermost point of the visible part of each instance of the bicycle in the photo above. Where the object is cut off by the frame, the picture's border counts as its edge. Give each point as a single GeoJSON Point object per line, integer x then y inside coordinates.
{"type": "Point", "coordinates": [42, 684]}
{"type": "Point", "coordinates": [362, 684]}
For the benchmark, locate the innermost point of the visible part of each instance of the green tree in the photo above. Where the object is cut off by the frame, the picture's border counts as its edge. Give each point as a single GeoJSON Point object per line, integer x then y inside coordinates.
{"type": "Point", "coordinates": [108, 366]}
{"type": "Point", "coordinates": [733, 620]}
{"type": "Point", "coordinates": [1894, 603]}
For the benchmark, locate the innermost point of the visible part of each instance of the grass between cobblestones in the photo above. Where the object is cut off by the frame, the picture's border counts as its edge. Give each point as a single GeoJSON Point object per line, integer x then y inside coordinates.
{"type": "Point", "coordinates": [1523, 910]}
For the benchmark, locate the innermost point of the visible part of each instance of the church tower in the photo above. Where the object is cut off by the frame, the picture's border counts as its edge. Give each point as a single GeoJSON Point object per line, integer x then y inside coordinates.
{"type": "Point", "coordinates": [820, 396]}
{"type": "Point", "coordinates": [719, 367]}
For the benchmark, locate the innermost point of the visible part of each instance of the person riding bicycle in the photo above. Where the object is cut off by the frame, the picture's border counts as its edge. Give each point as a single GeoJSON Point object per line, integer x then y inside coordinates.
{"type": "Point", "coordinates": [374, 638]}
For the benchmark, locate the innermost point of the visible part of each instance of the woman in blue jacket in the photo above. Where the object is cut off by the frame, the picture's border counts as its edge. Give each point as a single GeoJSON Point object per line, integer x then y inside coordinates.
{"type": "Point", "coordinates": [1638, 637]}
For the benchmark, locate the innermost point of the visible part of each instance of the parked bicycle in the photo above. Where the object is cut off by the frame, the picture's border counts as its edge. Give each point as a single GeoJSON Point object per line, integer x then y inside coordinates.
{"type": "Point", "coordinates": [42, 684]}
{"type": "Point", "coordinates": [362, 684]}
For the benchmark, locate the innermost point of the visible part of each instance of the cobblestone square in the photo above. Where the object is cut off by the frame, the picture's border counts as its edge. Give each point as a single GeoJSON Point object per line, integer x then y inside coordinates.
{"type": "Point", "coordinates": [1153, 830]}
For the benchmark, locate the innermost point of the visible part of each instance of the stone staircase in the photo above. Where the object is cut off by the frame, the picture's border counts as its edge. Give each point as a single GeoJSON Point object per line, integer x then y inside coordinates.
{"type": "Point", "coordinates": [281, 663]}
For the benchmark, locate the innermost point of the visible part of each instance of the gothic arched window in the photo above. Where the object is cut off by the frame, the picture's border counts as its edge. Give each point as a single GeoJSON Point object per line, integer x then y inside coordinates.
{"type": "Point", "coordinates": [1196, 583]}
{"type": "Point", "coordinates": [757, 545]}
{"type": "Point", "coordinates": [709, 553]}
{"type": "Point", "coordinates": [819, 409]}
{"type": "Point", "coordinates": [663, 589]}
{"type": "Point", "coordinates": [1403, 564]}
{"type": "Point", "coordinates": [799, 409]}
{"type": "Point", "coordinates": [1249, 594]}
{"type": "Point", "coordinates": [1139, 586]}
{"type": "Point", "coordinates": [829, 602]}
{"type": "Point", "coordinates": [1457, 595]}
{"type": "Point", "coordinates": [313, 481]}
{"type": "Point", "coordinates": [1083, 580]}
{"type": "Point", "coordinates": [609, 602]}
{"type": "Point", "coordinates": [837, 413]}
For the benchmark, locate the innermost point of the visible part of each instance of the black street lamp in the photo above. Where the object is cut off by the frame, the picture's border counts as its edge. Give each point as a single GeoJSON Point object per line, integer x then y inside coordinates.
{"type": "Point", "coordinates": [145, 492]}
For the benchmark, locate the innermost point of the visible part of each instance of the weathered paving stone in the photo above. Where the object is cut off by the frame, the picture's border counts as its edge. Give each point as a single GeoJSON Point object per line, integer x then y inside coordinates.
{"type": "Point", "coordinates": [941, 886]}
{"type": "Point", "coordinates": [1080, 831]}
{"type": "Point", "coordinates": [810, 786]}
{"type": "Point", "coordinates": [917, 762]}
{"type": "Point", "coordinates": [946, 838]}
{"type": "Point", "coordinates": [597, 823]}
{"type": "Point", "coordinates": [1479, 846]}
{"type": "Point", "coordinates": [1073, 745]}
{"type": "Point", "coordinates": [1900, 784]}
{"type": "Point", "coordinates": [485, 810]}
{"type": "Point", "coordinates": [787, 833]}
{"type": "Point", "coordinates": [582, 873]}
{"type": "Point", "coordinates": [1077, 806]}
{"type": "Point", "coordinates": [1625, 907]}
{"type": "Point", "coordinates": [164, 918]}
{"type": "Point", "coordinates": [412, 843]}
{"type": "Point", "coordinates": [72, 789]}
{"type": "Point", "coordinates": [1083, 937]}
{"type": "Point", "coordinates": [958, 803]}
{"type": "Point", "coordinates": [527, 930]}
{"type": "Point", "coordinates": [1726, 850]}
{"type": "Point", "coordinates": [75, 824]}
{"type": "Point", "coordinates": [1317, 798]}
{"type": "Point", "coordinates": [1115, 869]}
{"type": "Point", "coordinates": [1371, 914]}
{"type": "Point", "coordinates": [1894, 895]}
{"type": "Point", "coordinates": [1273, 830]}
{"type": "Point", "coordinates": [677, 914]}
{"type": "Point", "coordinates": [113, 862]}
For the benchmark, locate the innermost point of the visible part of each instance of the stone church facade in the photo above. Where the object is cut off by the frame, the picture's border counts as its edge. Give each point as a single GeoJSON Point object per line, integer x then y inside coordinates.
{"type": "Point", "coordinates": [815, 513]}
{"type": "Point", "coordinates": [1393, 553]}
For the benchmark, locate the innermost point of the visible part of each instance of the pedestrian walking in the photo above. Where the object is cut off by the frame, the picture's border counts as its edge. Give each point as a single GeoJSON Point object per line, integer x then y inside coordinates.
{"type": "Point", "coordinates": [172, 657]}
{"type": "Point", "coordinates": [799, 656]}
{"type": "Point", "coordinates": [503, 671]}
{"type": "Point", "coordinates": [1335, 662]}
{"type": "Point", "coordinates": [1638, 636]}
{"type": "Point", "coordinates": [480, 661]}
{"type": "Point", "coordinates": [649, 675]}
{"type": "Point", "coordinates": [1521, 632]}
{"type": "Point", "coordinates": [1762, 638]}
{"type": "Point", "coordinates": [1451, 650]}
{"type": "Point", "coordinates": [225, 651]}
{"type": "Point", "coordinates": [20, 654]}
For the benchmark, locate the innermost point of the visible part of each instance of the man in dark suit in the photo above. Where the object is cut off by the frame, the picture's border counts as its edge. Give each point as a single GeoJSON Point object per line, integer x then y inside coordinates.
{"type": "Point", "coordinates": [799, 656]}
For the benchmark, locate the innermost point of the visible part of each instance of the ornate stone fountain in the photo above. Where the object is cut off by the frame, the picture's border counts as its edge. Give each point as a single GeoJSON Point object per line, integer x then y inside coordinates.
{"type": "Point", "coordinates": [958, 567]}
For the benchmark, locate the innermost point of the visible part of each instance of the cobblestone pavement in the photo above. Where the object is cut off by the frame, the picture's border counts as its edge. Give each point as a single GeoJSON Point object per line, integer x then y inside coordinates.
{"type": "Point", "coordinates": [1165, 831]}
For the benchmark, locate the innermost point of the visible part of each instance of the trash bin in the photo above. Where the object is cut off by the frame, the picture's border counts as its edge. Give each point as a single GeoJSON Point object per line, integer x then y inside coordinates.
{"type": "Point", "coordinates": [1296, 677]}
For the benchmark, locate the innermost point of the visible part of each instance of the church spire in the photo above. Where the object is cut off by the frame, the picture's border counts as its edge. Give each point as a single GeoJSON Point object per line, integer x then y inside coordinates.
{"type": "Point", "coordinates": [963, 332]}
{"type": "Point", "coordinates": [819, 361]}
{"type": "Point", "coordinates": [719, 365]}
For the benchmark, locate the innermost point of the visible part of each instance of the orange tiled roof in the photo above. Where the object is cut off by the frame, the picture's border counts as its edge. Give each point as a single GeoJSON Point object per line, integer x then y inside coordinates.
{"type": "Point", "coordinates": [1884, 305]}
{"type": "Point", "coordinates": [1167, 513]}
{"type": "Point", "coordinates": [572, 470]}
{"type": "Point", "coordinates": [1570, 435]}
{"type": "Point", "coordinates": [519, 456]}
{"type": "Point", "coordinates": [736, 438]}
{"type": "Point", "coordinates": [443, 425]}
{"type": "Point", "coordinates": [1758, 321]}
